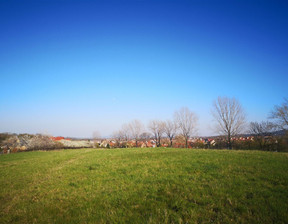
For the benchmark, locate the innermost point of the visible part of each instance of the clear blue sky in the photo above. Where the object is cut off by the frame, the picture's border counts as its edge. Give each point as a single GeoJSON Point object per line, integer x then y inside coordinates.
{"type": "Point", "coordinates": [73, 67]}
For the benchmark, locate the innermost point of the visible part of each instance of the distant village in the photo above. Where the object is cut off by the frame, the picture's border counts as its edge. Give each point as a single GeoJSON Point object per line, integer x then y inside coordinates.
{"type": "Point", "coordinates": [12, 143]}
{"type": "Point", "coordinates": [179, 132]}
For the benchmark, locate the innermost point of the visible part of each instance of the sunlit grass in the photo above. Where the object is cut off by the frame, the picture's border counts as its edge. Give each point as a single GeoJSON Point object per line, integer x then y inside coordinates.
{"type": "Point", "coordinates": [144, 186]}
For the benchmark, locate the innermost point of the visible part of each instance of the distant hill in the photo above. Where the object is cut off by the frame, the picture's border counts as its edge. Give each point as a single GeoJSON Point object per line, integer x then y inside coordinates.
{"type": "Point", "coordinates": [274, 133]}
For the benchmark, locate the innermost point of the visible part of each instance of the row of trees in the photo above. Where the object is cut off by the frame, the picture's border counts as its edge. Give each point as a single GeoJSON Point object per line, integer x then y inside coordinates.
{"type": "Point", "coordinates": [278, 120]}
{"type": "Point", "coordinates": [230, 121]}
{"type": "Point", "coordinates": [184, 123]}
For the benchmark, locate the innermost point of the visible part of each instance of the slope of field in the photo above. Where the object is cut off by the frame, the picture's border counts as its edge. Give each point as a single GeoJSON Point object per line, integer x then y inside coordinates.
{"type": "Point", "coordinates": [144, 186]}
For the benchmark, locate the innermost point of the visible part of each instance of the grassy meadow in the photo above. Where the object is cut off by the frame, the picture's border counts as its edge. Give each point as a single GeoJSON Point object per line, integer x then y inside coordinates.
{"type": "Point", "coordinates": [144, 186]}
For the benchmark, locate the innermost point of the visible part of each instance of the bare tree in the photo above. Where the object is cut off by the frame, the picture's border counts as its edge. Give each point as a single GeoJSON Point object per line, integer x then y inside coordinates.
{"type": "Point", "coordinates": [145, 136]}
{"type": "Point", "coordinates": [126, 132]}
{"type": "Point", "coordinates": [97, 138]}
{"type": "Point", "coordinates": [136, 128]}
{"type": "Point", "coordinates": [157, 128]}
{"type": "Point", "coordinates": [118, 136]}
{"type": "Point", "coordinates": [280, 114]}
{"type": "Point", "coordinates": [260, 131]}
{"type": "Point", "coordinates": [186, 121]}
{"type": "Point", "coordinates": [170, 130]}
{"type": "Point", "coordinates": [229, 116]}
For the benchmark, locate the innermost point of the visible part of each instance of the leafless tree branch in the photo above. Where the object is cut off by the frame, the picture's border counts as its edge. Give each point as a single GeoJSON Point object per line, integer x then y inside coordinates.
{"type": "Point", "coordinates": [229, 116]}
{"type": "Point", "coordinates": [280, 114]}
{"type": "Point", "coordinates": [186, 121]}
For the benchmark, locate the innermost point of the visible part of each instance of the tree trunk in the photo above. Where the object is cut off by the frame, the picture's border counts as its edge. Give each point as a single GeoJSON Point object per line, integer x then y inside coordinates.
{"type": "Point", "coordinates": [229, 141]}
{"type": "Point", "coordinates": [159, 141]}
{"type": "Point", "coordinates": [171, 142]}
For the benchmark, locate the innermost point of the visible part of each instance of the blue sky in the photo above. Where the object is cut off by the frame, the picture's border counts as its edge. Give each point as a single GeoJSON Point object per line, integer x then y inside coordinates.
{"type": "Point", "coordinates": [70, 68]}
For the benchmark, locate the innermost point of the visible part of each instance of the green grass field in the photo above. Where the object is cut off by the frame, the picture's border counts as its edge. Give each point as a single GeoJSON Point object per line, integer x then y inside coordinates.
{"type": "Point", "coordinates": [144, 186]}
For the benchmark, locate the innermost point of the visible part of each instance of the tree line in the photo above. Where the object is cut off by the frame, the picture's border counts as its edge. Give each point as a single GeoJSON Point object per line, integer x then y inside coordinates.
{"type": "Point", "coordinates": [230, 121]}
